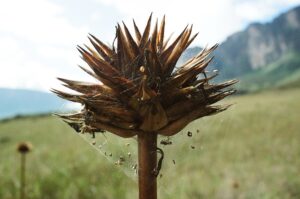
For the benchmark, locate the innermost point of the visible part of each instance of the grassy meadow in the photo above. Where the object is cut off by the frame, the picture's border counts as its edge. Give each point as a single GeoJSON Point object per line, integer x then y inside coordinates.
{"type": "Point", "coordinates": [251, 151]}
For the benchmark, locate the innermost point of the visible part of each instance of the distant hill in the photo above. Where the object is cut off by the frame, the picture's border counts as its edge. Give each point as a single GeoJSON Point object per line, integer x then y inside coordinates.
{"type": "Point", "coordinates": [262, 52]}
{"type": "Point", "coordinates": [18, 101]}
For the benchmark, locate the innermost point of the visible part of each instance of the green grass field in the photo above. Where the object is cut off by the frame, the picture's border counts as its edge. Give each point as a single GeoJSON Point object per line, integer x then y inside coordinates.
{"type": "Point", "coordinates": [251, 151]}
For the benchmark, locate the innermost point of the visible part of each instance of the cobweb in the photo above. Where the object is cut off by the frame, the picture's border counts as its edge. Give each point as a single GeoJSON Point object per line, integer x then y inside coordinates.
{"type": "Point", "coordinates": [122, 152]}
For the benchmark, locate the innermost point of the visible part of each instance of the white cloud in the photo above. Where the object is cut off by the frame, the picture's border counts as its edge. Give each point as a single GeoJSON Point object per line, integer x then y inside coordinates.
{"type": "Point", "coordinates": [205, 16]}
{"type": "Point", "coordinates": [38, 21]}
{"type": "Point", "coordinates": [38, 37]}
{"type": "Point", "coordinates": [214, 19]}
{"type": "Point", "coordinates": [37, 43]}
{"type": "Point", "coordinates": [18, 70]}
{"type": "Point", "coordinates": [257, 10]}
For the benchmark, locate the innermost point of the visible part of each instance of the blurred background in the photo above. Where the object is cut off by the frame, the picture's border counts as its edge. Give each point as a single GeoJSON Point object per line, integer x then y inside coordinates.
{"type": "Point", "coordinates": [250, 151]}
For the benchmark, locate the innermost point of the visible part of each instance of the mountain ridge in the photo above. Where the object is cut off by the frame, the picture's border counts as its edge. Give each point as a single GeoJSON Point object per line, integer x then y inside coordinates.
{"type": "Point", "coordinates": [260, 44]}
{"type": "Point", "coordinates": [23, 101]}
{"type": "Point", "coordinates": [257, 46]}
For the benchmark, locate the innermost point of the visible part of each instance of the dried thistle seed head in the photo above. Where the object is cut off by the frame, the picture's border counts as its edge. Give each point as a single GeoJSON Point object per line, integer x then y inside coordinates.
{"type": "Point", "coordinates": [24, 147]}
{"type": "Point", "coordinates": [140, 89]}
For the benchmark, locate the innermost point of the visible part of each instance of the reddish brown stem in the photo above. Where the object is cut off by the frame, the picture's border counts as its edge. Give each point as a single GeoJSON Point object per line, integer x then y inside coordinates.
{"type": "Point", "coordinates": [147, 155]}
{"type": "Point", "coordinates": [22, 176]}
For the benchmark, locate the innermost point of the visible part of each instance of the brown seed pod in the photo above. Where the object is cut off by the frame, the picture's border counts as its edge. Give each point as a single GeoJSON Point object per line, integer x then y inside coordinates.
{"type": "Point", "coordinates": [139, 86]}
{"type": "Point", "coordinates": [24, 147]}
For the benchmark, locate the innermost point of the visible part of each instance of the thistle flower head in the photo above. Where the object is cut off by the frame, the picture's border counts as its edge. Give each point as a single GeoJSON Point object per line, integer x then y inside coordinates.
{"type": "Point", "coordinates": [140, 88]}
{"type": "Point", "coordinates": [24, 147]}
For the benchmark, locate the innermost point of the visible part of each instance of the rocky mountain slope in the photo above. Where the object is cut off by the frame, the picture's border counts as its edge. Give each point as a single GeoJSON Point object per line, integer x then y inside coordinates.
{"type": "Point", "coordinates": [259, 46]}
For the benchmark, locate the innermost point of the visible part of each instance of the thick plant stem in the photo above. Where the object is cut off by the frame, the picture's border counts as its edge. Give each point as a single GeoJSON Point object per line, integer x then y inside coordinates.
{"type": "Point", "coordinates": [147, 158]}
{"type": "Point", "coordinates": [22, 176]}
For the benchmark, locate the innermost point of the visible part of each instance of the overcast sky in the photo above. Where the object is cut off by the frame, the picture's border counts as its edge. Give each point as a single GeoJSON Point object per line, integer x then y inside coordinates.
{"type": "Point", "coordinates": [38, 37]}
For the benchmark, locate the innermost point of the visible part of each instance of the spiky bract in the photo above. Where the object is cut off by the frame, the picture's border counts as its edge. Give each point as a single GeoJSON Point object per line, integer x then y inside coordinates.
{"type": "Point", "coordinates": [140, 87]}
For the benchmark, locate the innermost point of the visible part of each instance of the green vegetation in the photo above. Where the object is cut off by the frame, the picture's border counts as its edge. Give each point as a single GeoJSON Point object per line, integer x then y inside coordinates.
{"type": "Point", "coordinates": [283, 73]}
{"type": "Point", "coordinates": [250, 151]}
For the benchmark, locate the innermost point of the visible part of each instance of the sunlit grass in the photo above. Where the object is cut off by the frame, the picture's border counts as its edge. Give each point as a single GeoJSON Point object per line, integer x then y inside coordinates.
{"type": "Point", "coordinates": [250, 151]}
